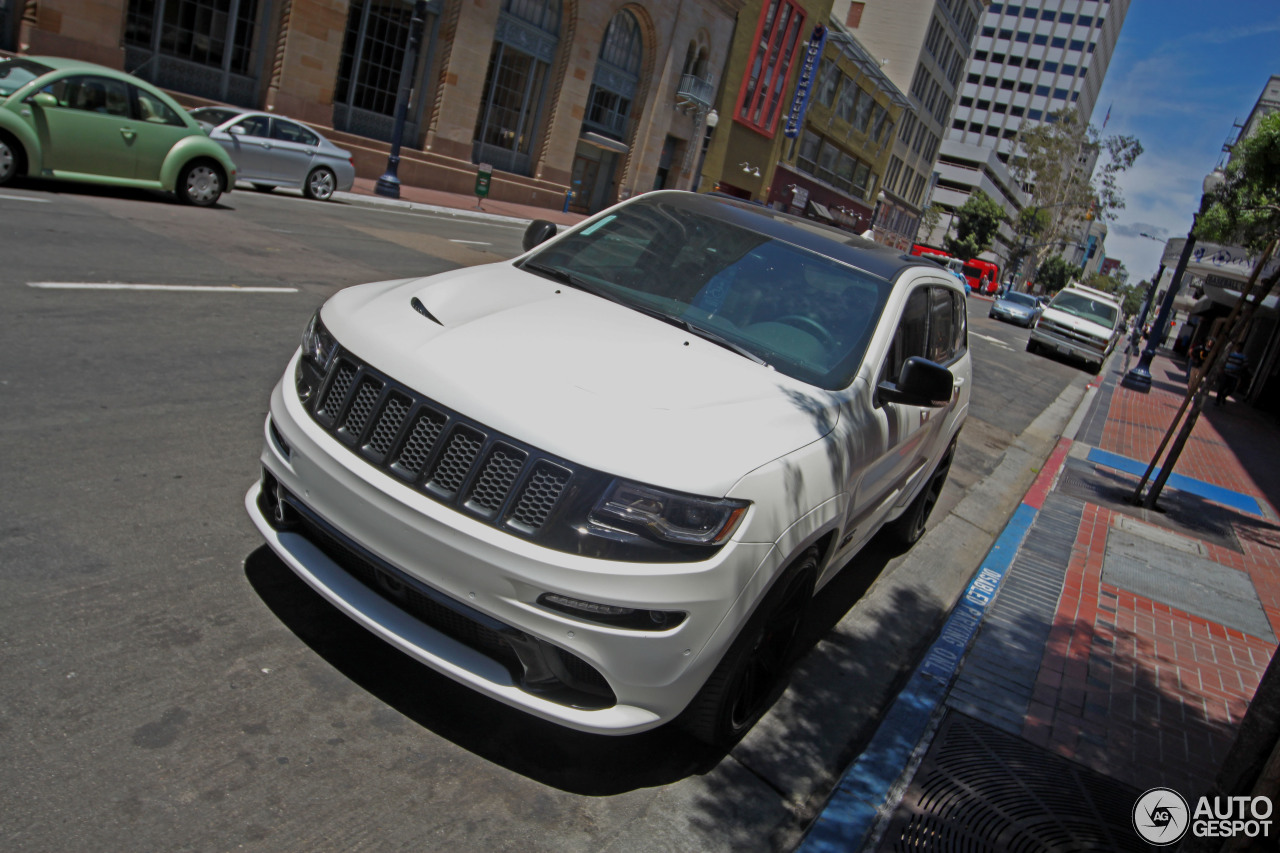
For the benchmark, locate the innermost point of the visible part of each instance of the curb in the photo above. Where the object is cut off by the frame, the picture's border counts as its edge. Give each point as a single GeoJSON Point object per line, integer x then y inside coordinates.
{"type": "Point", "coordinates": [379, 201]}
{"type": "Point", "coordinates": [871, 788]}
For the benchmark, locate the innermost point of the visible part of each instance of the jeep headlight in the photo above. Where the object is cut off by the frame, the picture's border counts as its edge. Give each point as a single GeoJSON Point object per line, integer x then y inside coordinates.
{"type": "Point", "coordinates": [684, 519]}
{"type": "Point", "coordinates": [318, 347]}
{"type": "Point", "coordinates": [317, 344]}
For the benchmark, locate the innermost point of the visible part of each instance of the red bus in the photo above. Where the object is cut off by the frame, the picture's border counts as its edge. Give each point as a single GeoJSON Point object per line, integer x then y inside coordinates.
{"type": "Point", "coordinates": [983, 276]}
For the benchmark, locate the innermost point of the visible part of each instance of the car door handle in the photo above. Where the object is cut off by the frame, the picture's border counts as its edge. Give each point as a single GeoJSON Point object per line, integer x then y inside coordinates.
{"type": "Point", "coordinates": [128, 133]}
{"type": "Point", "coordinates": [266, 145]}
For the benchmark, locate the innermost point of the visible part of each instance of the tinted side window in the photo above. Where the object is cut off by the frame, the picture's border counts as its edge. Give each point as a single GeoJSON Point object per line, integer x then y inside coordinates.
{"type": "Point", "coordinates": [942, 331]}
{"type": "Point", "coordinates": [290, 132]}
{"type": "Point", "coordinates": [92, 94]}
{"type": "Point", "coordinates": [152, 109]}
{"type": "Point", "coordinates": [254, 125]}
{"type": "Point", "coordinates": [912, 337]}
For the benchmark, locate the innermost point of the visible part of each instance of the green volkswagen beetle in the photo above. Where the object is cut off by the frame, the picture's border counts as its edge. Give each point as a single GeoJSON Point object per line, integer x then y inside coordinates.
{"type": "Point", "coordinates": [77, 121]}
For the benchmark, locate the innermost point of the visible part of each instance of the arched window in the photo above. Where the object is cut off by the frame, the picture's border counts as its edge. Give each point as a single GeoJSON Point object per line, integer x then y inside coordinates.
{"type": "Point", "coordinates": [364, 97]}
{"type": "Point", "coordinates": [524, 45]}
{"type": "Point", "coordinates": [617, 78]}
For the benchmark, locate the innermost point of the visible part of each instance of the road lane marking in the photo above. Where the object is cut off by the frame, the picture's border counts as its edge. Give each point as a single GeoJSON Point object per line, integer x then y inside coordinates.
{"type": "Point", "coordinates": [8, 197]}
{"type": "Point", "coordinates": [115, 285]}
{"type": "Point", "coordinates": [471, 242]}
{"type": "Point", "coordinates": [995, 341]}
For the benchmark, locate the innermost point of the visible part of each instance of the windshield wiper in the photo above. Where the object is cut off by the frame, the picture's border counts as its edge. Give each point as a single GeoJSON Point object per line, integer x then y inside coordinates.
{"type": "Point", "coordinates": [708, 335]}
{"type": "Point", "coordinates": [563, 275]}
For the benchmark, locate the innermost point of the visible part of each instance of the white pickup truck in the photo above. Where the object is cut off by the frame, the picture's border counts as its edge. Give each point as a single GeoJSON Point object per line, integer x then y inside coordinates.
{"type": "Point", "coordinates": [1081, 322]}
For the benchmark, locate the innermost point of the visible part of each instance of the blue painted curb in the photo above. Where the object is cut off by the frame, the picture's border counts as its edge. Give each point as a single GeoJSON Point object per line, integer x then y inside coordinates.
{"type": "Point", "coordinates": [1208, 491]}
{"type": "Point", "coordinates": [851, 812]}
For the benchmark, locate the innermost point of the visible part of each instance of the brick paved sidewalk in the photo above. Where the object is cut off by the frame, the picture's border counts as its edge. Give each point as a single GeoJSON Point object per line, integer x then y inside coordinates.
{"type": "Point", "coordinates": [469, 204]}
{"type": "Point", "coordinates": [1128, 642]}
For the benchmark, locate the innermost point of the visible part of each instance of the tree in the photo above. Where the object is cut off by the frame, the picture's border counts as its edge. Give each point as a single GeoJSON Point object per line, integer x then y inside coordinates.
{"type": "Point", "coordinates": [1050, 163]}
{"type": "Point", "coordinates": [1244, 210]}
{"type": "Point", "coordinates": [1055, 273]}
{"type": "Point", "coordinates": [929, 220]}
{"type": "Point", "coordinates": [1133, 297]}
{"type": "Point", "coordinates": [1028, 226]}
{"type": "Point", "coordinates": [977, 222]}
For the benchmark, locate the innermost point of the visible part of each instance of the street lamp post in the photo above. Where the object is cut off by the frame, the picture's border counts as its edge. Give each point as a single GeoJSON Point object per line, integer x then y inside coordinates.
{"type": "Point", "coordinates": [1136, 335]}
{"type": "Point", "coordinates": [713, 119]}
{"type": "Point", "coordinates": [1139, 377]}
{"type": "Point", "coordinates": [389, 183]}
{"type": "Point", "coordinates": [881, 198]}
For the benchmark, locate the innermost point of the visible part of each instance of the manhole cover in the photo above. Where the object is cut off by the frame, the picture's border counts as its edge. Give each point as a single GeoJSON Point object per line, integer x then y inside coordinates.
{"type": "Point", "coordinates": [980, 789]}
{"type": "Point", "coordinates": [1181, 511]}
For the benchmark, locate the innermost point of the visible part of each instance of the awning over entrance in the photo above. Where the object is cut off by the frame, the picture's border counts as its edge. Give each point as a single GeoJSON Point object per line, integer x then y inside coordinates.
{"type": "Point", "coordinates": [821, 210]}
{"type": "Point", "coordinates": [601, 141]}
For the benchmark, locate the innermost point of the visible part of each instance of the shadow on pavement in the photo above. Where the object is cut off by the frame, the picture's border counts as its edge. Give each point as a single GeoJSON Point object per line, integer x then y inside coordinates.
{"type": "Point", "coordinates": [591, 765]}
{"type": "Point", "coordinates": [72, 188]}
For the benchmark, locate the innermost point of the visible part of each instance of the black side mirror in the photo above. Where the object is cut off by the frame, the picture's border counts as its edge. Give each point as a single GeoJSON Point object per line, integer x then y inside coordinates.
{"type": "Point", "coordinates": [538, 232]}
{"type": "Point", "coordinates": [921, 383]}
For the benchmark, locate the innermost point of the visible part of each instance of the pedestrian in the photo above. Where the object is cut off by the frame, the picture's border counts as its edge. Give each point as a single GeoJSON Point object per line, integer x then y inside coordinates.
{"type": "Point", "coordinates": [1233, 373]}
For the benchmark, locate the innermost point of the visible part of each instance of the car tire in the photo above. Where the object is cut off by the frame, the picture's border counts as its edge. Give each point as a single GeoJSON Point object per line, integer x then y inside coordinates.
{"type": "Point", "coordinates": [1033, 347]}
{"type": "Point", "coordinates": [200, 183]}
{"type": "Point", "coordinates": [264, 188]}
{"type": "Point", "coordinates": [750, 675]}
{"type": "Point", "coordinates": [320, 184]}
{"type": "Point", "coordinates": [12, 158]}
{"type": "Point", "coordinates": [907, 528]}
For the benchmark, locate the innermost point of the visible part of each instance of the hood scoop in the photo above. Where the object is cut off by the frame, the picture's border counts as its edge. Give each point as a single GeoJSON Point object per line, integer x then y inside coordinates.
{"type": "Point", "coordinates": [422, 309]}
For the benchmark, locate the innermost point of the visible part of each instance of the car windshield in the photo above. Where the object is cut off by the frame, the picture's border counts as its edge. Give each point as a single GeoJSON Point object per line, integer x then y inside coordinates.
{"type": "Point", "coordinates": [802, 313]}
{"type": "Point", "coordinates": [1021, 299]}
{"type": "Point", "coordinates": [16, 73]}
{"type": "Point", "coordinates": [1086, 307]}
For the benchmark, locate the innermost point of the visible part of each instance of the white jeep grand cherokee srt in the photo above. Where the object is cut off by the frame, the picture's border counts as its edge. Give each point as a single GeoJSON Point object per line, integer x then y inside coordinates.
{"type": "Point", "coordinates": [601, 482]}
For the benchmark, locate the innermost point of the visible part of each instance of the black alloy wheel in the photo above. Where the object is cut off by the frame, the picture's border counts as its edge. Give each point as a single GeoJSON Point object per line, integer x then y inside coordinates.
{"type": "Point", "coordinates": [909, 527]}
{"type": "Point", "coordinates": [750, 676]}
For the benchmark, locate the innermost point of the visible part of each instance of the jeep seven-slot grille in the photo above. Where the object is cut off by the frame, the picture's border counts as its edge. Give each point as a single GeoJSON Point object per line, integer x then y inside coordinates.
{"type": "Point", "coordinates": [450, 458]}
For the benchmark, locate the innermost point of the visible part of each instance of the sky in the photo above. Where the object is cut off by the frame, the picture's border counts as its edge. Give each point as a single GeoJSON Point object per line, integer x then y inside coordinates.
{"type": "Point", "coordinates": [1183, 72]}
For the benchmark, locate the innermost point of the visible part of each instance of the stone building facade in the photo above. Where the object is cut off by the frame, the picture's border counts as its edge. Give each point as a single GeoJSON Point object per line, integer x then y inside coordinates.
{"type": "Point", "coordinates": [603, 99]}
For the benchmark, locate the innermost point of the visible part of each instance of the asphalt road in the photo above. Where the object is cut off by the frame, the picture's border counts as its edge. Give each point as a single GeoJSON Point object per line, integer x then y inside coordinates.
{"type": "Point", "coordinates": [169, 685]}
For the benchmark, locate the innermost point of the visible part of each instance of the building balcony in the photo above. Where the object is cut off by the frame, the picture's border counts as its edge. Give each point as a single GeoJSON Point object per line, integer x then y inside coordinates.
{"type": "Point", "coordinates": [694, 92]}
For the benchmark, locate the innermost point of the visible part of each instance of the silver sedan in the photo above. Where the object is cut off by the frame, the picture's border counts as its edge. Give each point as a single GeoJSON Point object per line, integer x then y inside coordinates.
{"type": "Point", "coordinates": [272, 151]}
{"type": "Point", "coordinates": [1020, 308]}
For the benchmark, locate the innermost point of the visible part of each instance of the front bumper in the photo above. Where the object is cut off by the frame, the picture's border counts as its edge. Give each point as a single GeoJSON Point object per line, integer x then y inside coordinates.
{"type": "Point", "coordinates": [1067, 344]}
{"type": "Point", "coordinates": [412, 571]}
{"type": "Point", "coordinates": [1012, 317]}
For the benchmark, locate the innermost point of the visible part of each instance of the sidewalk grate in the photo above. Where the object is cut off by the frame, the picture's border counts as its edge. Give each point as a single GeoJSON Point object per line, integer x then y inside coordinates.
{"type": "Point", "coordinates": [980, 789]}
{"type": "Point", "coordinates": [1181, 511]}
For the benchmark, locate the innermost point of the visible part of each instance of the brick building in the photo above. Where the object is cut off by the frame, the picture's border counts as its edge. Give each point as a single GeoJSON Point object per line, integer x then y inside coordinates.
{"type": "Point", "coordinates": [600, 98]}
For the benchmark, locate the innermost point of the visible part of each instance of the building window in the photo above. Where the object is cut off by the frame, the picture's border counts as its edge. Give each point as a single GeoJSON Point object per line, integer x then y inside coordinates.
{"type": "Point", "coordinates": [617, 78]}
{"type": "Point", "coordinates": [373, 53]}
{"type": "Point", "coordinates": [829, 77]}
{"type": "Point", "coordinates": [807, 158]}
{"type": "Point", "coordinates": [777, 35]}
{"type": "Point", "coordinates": [210, 47]}
{"type": "Point", "coordinates": [515, 83]}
